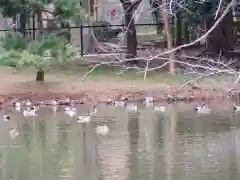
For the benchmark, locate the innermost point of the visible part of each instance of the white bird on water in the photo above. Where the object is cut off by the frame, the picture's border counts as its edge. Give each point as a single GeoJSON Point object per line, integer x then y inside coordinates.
{"type": "Point", "coordinates": [102, 130]}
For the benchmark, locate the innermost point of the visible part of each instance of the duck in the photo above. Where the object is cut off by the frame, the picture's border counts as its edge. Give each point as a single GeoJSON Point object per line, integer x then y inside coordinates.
{"type": "Point", "coordinates": [16, 104]}
{"type": "Point", "coordinates": [54, 103]}
{"type": "Point", "coordinates": [132, 107]}
{"type": "Point", "coordinates": [34, 107]}
{"type": "Point", "coordinates": [28, 103]}
{"type": "Point", "coordinates": [6, 117]}
{"type": "Point", "coordinates": [29, 112]}
{"type": "Point", "coordinates": [159, 108]}
{"type": "Point", "coordinates": [83, 119]}
{"type": "Point", "coordinates": [148, 100]}
{"type": "Point", "coordinates": [203, 109]}
{"type": "Point", "coordinates": [103, 130]}
{"type": "Point", "coordinates": [236, 108]}
{"type": "Point", "coordinates": [93, 111]}
{"type": "Point", "coordinates": [119, 103]}
{"type": "Point", "coordinates": [13, 132]}
{"type": "Point", "coordinates": [71, 111]}
{"type": "Point", "coordinates": [66, 101]}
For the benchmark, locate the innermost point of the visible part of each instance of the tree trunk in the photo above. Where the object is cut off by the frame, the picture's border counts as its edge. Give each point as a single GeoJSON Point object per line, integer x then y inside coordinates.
{"type": "Point", "coordinates": [169, 40]}
{"type": "Point", "coordinates": [129, 7]}
{"type": "Point", "coordinates": [222, 37]}
{"type": "Point", "coordinates": [179, 29]}
{"type": "Point", "coordinates": [40, 75]}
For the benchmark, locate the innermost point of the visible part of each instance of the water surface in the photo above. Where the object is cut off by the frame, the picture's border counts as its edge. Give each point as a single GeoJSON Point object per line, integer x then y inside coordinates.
{"type": "Point", "coordinates": [147, 145]}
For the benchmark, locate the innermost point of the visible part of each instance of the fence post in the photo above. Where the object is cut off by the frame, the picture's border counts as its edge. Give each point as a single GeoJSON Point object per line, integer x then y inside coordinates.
{"type": "Point", "coordinates": [33, 27]}
{"type": "Point", "coordinates": [81, 34]}
{"type": "Point", "coordinates": [81, 38]}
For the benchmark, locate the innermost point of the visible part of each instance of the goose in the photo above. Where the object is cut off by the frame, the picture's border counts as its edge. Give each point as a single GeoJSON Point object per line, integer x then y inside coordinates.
{"type": "Point", "coordinates": [83, 119]}
{"type": "Point", "coordinates": [6, 117]}
{"type": "Point", "coordinates": [132, 107]}
{"type": "Point", "coordinates": [13, 132]}
{"type": "Point", "coordinates": [159, 108]}
{"type": "Point", "coordinates": [103, 130]}
{"type": "Point", "coordinates": [29, 112]}
{"type": "Point", "coordinates": [204, 109]}
{"type": "Point", "coordinates": [236, 108]}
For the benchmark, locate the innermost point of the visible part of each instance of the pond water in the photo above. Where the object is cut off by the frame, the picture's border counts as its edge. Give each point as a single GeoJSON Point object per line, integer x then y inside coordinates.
{"type": "Point", "coordinates": [174, 145]}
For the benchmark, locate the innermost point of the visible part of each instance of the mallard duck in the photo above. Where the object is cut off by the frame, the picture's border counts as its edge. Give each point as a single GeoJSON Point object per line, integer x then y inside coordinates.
{"type": "Point", "coordinates": [132, 107]}
{"type": "Point", "coordinates": [13, 132]}
{"type": "Point", "coordinates": [159, 108]}
{"type": "Point", "coordinates": [119, 103]}
{"type": "Point", "coordinates": [29, 112]}
{"type": "Point", "coordinates": [83, 119]}
{"type": "Point", "coordinates": [236, 108]}
{"type": "Point", "coordinates": [6, 117]}
{"type": "Point", "coordinates": [103, 130]}
{"type": "Point", "coordinates": [203, 109]}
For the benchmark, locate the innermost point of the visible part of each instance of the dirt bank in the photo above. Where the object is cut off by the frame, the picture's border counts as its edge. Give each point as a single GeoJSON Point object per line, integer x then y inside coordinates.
{"type": "Point", "coordinates": [21, 85]}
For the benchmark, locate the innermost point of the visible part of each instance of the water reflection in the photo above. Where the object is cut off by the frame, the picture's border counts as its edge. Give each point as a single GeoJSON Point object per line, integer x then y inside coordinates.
{"type": "Point", "coordinates": [172, 146]}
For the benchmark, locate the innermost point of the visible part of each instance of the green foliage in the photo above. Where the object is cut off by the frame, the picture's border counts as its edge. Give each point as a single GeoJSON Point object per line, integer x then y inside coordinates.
{"type": "Point", "coordinates": [39, 53]}
{"type": "Point", "coordinates": [14, 40]}
{"type": "Point", "coordinates": [65, 10]}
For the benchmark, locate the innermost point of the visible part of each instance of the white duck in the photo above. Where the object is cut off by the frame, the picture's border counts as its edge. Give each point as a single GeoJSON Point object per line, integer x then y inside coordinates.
{"type": "Point", "coordinates": [13, 133]}
{"type": "Point", "coordinates": [132, 107]}
{"type": "Point", "coordinates": [54, 103]}
{"type": "Point", "coordinates": [236, 108]}
{"type": "Point", "coordinates": [70, 111]}
{"type": "Point", "coordinates": [119, 103]}
{"type": "Point", "coordinates": [203, 109]}
{"type": "Point", "coordinates": [159, 108]}
{"type": "Point", "coordinates": [28, 103]}
{"type": "Point", "coordinates": [83, 119]}
{"type": "Point", "coordinates": [103, 130]}
{"type": "Point", "coordinates": [29, 112]}
{"type": "Point", "coordinates": [148, 100]}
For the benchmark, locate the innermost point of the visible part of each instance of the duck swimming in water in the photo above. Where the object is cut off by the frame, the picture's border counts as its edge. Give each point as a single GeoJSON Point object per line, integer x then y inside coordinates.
{"type": "Point", "coordinates": [203, 109]}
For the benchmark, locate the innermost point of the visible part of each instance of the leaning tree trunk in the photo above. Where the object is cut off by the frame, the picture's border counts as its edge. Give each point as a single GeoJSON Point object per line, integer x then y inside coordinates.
{"type": "Point", "coordinates": [40, 75]}
{"type": "Point", "coordinates": [221, 40]}
{"type": "Point", "coordinates": [129, 7]}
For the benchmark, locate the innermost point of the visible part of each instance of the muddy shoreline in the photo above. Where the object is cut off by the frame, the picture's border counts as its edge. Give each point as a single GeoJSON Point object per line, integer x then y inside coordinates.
{"type": "Point", "coordinates": [170, 95]}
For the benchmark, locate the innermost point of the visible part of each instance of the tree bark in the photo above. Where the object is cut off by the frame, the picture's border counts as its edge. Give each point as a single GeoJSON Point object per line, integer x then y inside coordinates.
{"type": "Point", "coordinates": [40, 75]}
{"type": "Point", "coordinates": [129, 8]}
{"type": "Point", "coordinates": [221, 40]}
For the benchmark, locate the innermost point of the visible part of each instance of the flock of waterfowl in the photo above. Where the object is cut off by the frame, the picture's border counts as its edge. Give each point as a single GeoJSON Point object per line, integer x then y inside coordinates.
{"type": "Point", "coordinates": [27, 108]}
